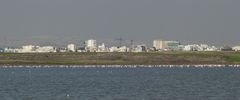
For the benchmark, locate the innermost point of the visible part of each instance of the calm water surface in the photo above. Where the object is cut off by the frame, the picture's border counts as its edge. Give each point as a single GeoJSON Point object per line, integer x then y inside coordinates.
{"type": "Point", "coordinates": [119, 83]}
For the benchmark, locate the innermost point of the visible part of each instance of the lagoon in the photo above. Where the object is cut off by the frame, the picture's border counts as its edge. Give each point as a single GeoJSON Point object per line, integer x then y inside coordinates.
{"type": "Point", "coordinates": [141, 83]}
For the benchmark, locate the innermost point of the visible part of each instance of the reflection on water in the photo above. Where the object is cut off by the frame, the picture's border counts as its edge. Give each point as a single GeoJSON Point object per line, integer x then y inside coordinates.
{"type": "Point", "coordinates": [119, 83]}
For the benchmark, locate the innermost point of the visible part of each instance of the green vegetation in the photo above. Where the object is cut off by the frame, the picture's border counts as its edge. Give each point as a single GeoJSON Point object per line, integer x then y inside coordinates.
{"type": "Point", "coordinates": [150, 58]}
{"type": "Point", "coordinates": [233, 58]}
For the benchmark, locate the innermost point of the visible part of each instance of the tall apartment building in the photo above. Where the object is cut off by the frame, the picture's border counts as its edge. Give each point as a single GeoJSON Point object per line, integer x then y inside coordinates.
{"type": "Point", "coordinates": [159, 44]}
{"type": "Point", "coordinates": [91, 45]}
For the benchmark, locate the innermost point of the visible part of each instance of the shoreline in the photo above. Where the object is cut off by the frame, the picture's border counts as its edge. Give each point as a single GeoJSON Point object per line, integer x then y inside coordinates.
{"type": "Point", "coordinates": [125, 66]}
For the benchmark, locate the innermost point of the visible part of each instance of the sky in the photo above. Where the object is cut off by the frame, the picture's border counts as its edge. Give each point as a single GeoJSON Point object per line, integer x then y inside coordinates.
{"type": "Point", "coordinates": [59, 22]}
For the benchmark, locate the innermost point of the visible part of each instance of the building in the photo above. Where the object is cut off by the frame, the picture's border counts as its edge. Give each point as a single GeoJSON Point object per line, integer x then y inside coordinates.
{"type": "Point", "coordinates": [119, 49]}
{"type": "Point", "coordinates": [102, 48]}
{"type": "Point", "coordinates": [12, 50]}
{"type": "Point", "coordinates": [166, 45]}
{"type": "Point", "coordinates": [62, 50]}
{"type": "Point", "coordinates": [152, 49]}
{"type": "Point", "coordinates": [212, 48]}
{"type": "Point", "coordinates": [201, 47]}
{"type": "Point", "coordinates": [140, 48]}
{"type": "Point", "coordinates": [172, 45]}
{"type": "Point", "coordinates": [45, 49]}
{"type": "Point", "coordinates": [37, 49]}
{"type": "Point", "coordinates": [159, 44]}
{"type": "Point", "coordinates": [28, 49]}
{"type": "Point", "coordinates": [226, 48]}
{"type": "Point", "coordinates": [91, 45]}
{"type": "Point", "coordinates": [81, 49]}
{"type": "Point", "coordinates": [236, 48]}
{"type": "Point", "coordinates": [72, 47]}
{"type": "Point", "coordinates": [1, 50]}
{"type": "Point", "coordinates": [189, 48]}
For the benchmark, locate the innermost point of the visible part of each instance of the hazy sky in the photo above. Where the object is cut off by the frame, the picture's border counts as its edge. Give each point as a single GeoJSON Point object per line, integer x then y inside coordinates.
{"type": "Point", "coordinates": [63, 21]}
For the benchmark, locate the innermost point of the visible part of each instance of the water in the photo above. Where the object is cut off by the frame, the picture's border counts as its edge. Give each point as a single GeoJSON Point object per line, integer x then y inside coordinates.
{"type": "Point", "coordinates": [119, 83]}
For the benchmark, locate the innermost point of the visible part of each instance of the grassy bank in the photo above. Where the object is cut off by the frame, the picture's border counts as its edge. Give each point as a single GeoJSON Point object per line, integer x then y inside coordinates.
{"type": "Point", "coordinates": [120, 58]}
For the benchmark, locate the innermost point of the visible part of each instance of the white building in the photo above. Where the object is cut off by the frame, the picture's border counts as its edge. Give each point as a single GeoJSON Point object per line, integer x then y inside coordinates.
{"type": "Point", "coordinates": [212, 48]}
{"type": "Point", "coordinates": [188, 48]}
{"type": "Point", "coordinates": [28, 49]}
{"type": "Point", "coordinates": [91, 45]}
{"type": "Point", "coordinates": [46, 49]}
{"type": "Point", "coordinates": [11, 50]}
{"type": "Point", "coordinates": [37, 49]}
{"type": "Point", "coordinates": [236, 48]}
{"type": "Point", "coordinates": [140, 48]}
{"type": "Point", "coordinates": [124, 49]}
{"type": "Point", "coordinates": [119, 49]}
{"type": "Point", "coordinates": [102, 48]}
{"type": "Point", "coordinates": [201, 47]}
{"type": "Point", "coordinates": [72, 47]}
{"type": "Point", "coordinates": [113, 49]}
{"type": "Point", "coordinates": [32, 49]}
